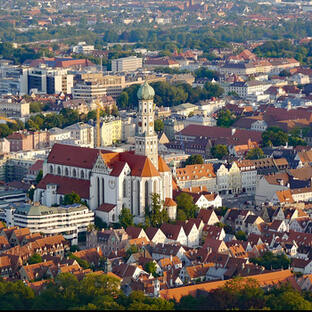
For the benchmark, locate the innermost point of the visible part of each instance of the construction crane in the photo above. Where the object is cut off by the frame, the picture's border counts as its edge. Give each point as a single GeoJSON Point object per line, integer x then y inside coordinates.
{"type": "Point", "coordinates": [99, 107]}
{"type": "Point", "coordinates": [8, 119]}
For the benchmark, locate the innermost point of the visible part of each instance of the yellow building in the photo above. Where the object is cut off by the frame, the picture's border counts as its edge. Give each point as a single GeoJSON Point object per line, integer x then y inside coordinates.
{"type": "Point", "coordinates": [111, 131]}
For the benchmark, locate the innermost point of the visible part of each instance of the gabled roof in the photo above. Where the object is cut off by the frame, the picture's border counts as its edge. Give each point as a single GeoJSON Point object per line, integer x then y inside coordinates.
{"type": "Point", "coordinates": [171, 231]}
{"type": "Point", "coordinates": [134, 231]}
{"type": "Point", "coordinates": [205, 214]}
{"type": "Point", "coordinates": [74, 156]}
{"type": "Point", "coordinates": [162, 166]}
{"type": "Point", "coordinates": [106, 207]}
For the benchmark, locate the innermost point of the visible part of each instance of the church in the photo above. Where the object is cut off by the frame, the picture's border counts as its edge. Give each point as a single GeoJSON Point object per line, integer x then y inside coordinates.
{"type": "Point", "coordinates": [107, 180]}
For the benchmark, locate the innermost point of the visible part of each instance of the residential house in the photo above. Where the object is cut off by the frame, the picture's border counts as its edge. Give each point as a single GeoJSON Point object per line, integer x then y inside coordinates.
{"type": "Point", "coordinates": [174, 233]}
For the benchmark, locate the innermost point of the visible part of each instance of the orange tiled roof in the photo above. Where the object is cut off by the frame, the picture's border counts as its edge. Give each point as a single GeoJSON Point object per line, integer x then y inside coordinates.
{"type": "Point", "coordinates": [266, 279]}
{"type": "Point", "coordinates": [195, 172]}
{"type": "Point", "coordinates": [169, 202]}
{"type": "Point", "coordinates": [285, 196]}
{"type": "Point", "coordinates": [162, 166]}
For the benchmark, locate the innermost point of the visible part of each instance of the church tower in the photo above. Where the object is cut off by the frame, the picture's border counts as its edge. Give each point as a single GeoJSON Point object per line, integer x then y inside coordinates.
{"type": "Point", "coordinates": [146, 140]}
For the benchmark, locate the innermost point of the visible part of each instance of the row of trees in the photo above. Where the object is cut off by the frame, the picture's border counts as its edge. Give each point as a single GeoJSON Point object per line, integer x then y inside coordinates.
{"type": "Point", "coordinates": [93, 292]}
{"type": "Point", "coordinates": [275, 136]}
{"type": "Point", "coordinates": [246, 294]}
{"type": "Point", "coordinates": [167, 94]}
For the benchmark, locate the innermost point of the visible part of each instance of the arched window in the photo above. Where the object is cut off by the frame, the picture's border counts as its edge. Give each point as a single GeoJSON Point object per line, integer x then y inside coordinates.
{"type": "Point", "coordinates": [51, 169]}
{"type": "Point", "coordinates": [66, 172]}
{"type": "Point", "coordinates": [124, 188]}
{"type": "Point", "coordinates": [113, 217]}
{"type": "Point", "coordinates": [58, 170]}
{"type": "Point", "coordinates": [98, 190]}
{"type": "Point", "coordinates": [74, 173]}
{"type": "Point", "coordinates": [146, 194]}
{"type": "Point", "coordinates": [82, 174]}
{"type": "Point", "coordinates": [138, 196]}
{"type": "Point", "coordinates": [103, 190]}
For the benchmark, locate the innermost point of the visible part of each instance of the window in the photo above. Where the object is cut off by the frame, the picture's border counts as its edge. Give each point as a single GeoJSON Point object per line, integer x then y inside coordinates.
{"type": "Point", "coordinates": [124, 188]}
{"type": "Point", "coordinates": [66, 172]}
{"type": "Point", "coordinates": [74, 173]}
{"type": "Point", "coordinates": [146, 194]}
{"type": "Point", "coordinates": [58, 170]}
{"type": "Point", "coordinates": [82, 174]}
{"type": "Point", "coordinates": [51, 169]}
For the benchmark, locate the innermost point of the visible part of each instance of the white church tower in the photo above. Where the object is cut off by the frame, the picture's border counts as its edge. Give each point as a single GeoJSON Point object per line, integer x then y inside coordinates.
{"type": "Point", "coordinates": [146, 140]}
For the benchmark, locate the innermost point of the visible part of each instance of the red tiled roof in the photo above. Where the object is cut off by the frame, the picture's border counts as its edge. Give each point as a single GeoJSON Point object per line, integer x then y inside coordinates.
{"type": "Point", "coordinates": [169, 202]}
{"type": "Point", "coordinates": [240, 136]}
{"type": "Point", "coordinates": [106, 207]}
{"type": "Point", "coordinates": [37, 165]}
{"type": "Point", "coordinates": [75, 156]}
{"type": "Point", "coordinates": [66, 185]}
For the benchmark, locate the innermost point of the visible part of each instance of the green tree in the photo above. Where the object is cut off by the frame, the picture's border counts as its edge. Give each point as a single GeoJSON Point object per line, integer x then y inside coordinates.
{"type": "Point", "coordinates": [125, 217]}
{"type": "Point", "coordinates": [271, 261]}
{"type": "Point", "coordinates": [72, 198]}
{"type": "Point", "coordinates": [83, 263]}
{"type": "Point", "coordinates": [296, 140]}
{"type": "Point", "coordinates": [241, 235]}
{"type": "Point", "coordinates": [274, 136]}
{"type": "Point", "coordinates": [225, 118]}
{"type": "Point", "coordinates": [194, 159]}
{"type": "Point", "coordinates": [35, 258]}
{"type": "Point", "coordinates": [123, 100]}
{"type": "Point", "coordinates": [255, 153]}
{"type": "Point", "coordinates": [156, 215]}
{"type": "Point", "coordinates": [39, 176]}
{"type": "Point", "coordinates": [150, 267]}
{"type": "Point", "coordinates": [213, 90]}
{"type": "Point", "coordinates": [186, 206]}
{"type": "Point", "coordinates": [159, 125]}
{"type": "Point", "coordinates": [219, 151]}
{"type": "Point", "coordinates": [98, 222]}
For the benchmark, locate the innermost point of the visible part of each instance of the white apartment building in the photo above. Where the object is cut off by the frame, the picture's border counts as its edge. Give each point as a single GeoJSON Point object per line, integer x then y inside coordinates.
{"type": "Point", "coordinates": [58, 135]}
{"type": "Point", "coordinates": [11, 108]}
{"type": "Point", "coordinates": [245, 88]}
{"type": "Point", "coordinates": [126, 64]}
{"type": "Point", "coordinates": [13, 80]}
{"type": "Point", "coordinates": [68, 220]}
{"type": "Point", "coordinates": [82, 133]}
{"type": "Point", "coordinates": [83, 48]}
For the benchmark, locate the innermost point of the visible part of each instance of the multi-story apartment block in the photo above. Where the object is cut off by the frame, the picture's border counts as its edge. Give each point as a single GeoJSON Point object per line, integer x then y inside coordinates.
{"type": "Point", "coordinates": [197, 175]}
{"type": "Point", "coordinates": [13, 80]}
{"type": "Point", "coordinates": [111, 131]}
{"type": "Point", "coordinates": [90, 86]}
{"type": "Point", "coordinates": [49, 81]}
{"type": "Point", "coordinates": [82, 133]}
{"type": "Point", "coordinates": [68, 220]}
{"type": "Point", "coordinates": [14, 107]}
{"type": "Point", "coordinates": [126, 64]}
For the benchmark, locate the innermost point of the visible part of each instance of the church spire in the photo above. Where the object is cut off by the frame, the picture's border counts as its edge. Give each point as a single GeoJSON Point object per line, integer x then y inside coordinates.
{"type": "Point", "coordinates": [146, 140]}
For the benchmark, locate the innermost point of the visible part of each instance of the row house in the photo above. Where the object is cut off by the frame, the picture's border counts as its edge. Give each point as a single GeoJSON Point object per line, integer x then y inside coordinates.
{"type": "Point", "coordinates": [268, 185]}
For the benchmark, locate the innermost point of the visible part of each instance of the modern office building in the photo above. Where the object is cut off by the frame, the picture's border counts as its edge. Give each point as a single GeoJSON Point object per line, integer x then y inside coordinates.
{"type": "Point", "coordinates": [126, 64]}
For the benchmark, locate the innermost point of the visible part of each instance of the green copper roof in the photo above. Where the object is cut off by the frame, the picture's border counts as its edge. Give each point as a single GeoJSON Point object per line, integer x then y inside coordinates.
{"type": "Point", "coordinates": [145, 92]}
